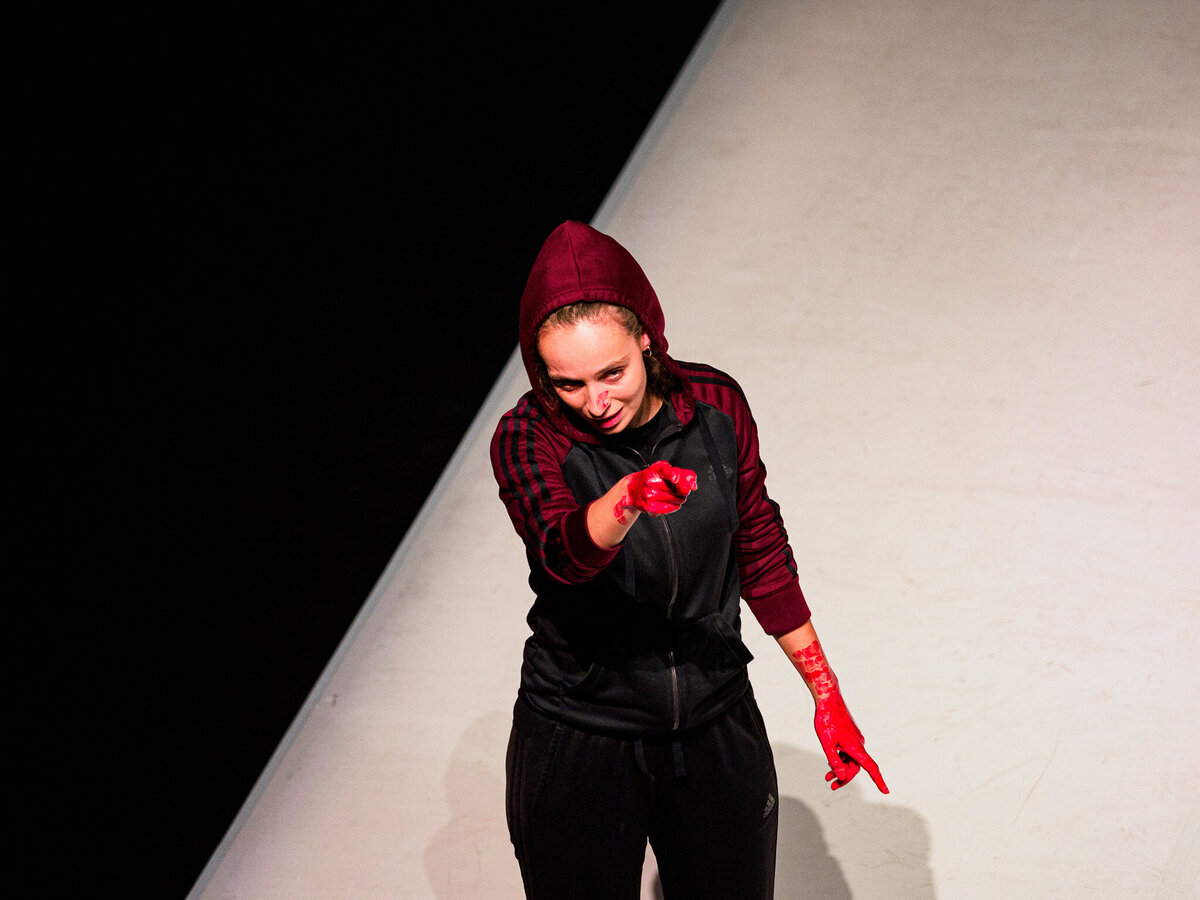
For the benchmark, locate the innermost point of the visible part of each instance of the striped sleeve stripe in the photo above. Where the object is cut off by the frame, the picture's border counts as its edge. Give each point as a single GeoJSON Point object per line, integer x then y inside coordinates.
{"type": "Point", "coordinates": [519, 463]}
{"type": "Point", "coordinates": [777, 520]}
{"type": "Point", "coordinates": [701, 374]}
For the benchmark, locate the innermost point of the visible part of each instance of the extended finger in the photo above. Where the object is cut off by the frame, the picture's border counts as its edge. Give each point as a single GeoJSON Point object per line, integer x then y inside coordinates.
{"type": "Point", "coordinates": [862, 758]}
{"type": "Point", "coordinates": [683, 480]}
{"type": "Point", "coordinates": [873, 770]}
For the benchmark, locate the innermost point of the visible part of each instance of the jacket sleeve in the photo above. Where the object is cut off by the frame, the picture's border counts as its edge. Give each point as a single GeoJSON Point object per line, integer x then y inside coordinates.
{"type": "Point", "coordinates": [527, 457]}
{"type": "Point", "coordinates": [766, 566]}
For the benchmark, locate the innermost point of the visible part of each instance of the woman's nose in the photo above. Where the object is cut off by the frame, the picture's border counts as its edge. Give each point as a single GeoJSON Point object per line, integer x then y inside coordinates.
{"type": "Point", "coordinates": [598, 402]}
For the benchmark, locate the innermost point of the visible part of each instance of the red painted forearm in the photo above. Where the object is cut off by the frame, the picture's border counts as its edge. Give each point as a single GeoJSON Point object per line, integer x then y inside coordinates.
{"type": "Point", "coordinates": [814, 668]}
{"type": "Point", "coordinates": [839, 736]}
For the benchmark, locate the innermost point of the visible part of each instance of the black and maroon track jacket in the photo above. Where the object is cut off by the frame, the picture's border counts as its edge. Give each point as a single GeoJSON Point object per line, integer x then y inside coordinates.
{"type": "Point", "coordinates": [643, 639]}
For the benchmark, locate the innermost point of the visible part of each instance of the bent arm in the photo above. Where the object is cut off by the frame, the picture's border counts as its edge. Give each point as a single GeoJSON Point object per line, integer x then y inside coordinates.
{"type": "Point", "coordinates": [657, 490]}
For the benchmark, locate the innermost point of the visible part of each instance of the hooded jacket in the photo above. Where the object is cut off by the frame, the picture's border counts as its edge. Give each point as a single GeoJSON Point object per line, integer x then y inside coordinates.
{"type": "Point", "coordinates": [645, 638]}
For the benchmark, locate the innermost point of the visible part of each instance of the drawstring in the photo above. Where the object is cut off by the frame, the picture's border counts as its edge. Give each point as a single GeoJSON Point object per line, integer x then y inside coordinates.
{"type": "Point", "coordinates": [677, 752]}
{"type": "Point", "coordinates": [639, 753]}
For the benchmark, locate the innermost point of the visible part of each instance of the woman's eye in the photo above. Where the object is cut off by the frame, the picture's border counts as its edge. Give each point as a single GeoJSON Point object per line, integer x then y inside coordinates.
{"type": "Point", "coordinates": [566, 388]}
{"type": "Point", "coordinates": [613, 375]}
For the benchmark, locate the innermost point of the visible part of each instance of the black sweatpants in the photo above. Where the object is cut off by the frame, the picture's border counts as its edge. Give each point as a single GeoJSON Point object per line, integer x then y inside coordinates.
{"type": "Point", "coordinates": [581, 807]}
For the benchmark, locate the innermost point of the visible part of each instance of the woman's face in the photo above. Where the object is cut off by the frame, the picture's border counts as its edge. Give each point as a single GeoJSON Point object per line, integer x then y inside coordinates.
{"type": "Point", "coordinates": [597, 370]}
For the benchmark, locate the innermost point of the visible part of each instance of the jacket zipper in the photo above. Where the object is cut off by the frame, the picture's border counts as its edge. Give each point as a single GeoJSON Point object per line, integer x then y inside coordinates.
{"type": "Point", "coordinates": [675, 701]}
{"type": "Point", "coordinates": [674, 688]}
{"type": "Point", "coordinates": [673, 563]}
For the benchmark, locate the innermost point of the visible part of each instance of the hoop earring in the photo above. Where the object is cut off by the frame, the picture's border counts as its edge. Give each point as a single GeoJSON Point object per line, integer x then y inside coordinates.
{"type": "Point", "coordinates": [648, 353]}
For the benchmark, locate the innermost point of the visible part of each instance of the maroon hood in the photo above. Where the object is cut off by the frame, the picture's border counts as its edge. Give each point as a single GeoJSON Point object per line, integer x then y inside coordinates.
{"type": "Point", "coordinates": [576, 263]}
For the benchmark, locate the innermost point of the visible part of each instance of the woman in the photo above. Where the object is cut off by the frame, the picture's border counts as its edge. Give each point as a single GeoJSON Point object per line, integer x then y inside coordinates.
{"type": "Point", "coordinates": [634, 481]}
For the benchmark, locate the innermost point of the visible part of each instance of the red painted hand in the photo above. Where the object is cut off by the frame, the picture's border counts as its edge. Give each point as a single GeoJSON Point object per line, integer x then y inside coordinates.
{"type": "Point", "coordinates": [657, 490]}
{"type": "Point", "coordinates": [843, 743]}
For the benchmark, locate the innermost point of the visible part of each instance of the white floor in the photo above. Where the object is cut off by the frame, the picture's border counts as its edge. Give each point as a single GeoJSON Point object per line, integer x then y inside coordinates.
{"type": "Point", "coordinates": [952, 252]}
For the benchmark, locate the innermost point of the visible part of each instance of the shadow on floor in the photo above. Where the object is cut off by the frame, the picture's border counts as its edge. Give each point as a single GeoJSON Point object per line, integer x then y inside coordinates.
{"type": "Point", "coordinates": [844, 844]}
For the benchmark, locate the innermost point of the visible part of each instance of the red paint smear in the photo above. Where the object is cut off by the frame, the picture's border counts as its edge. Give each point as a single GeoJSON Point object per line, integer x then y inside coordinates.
{"type": "Point", "coordinates": [660, 489]}
{"type": "Point", "coordinates": [814, 667]}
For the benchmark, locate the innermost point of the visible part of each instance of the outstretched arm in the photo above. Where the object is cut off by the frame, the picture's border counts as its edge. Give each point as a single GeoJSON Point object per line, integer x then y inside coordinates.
{"type": "Point", "coordinates": [839, 736]}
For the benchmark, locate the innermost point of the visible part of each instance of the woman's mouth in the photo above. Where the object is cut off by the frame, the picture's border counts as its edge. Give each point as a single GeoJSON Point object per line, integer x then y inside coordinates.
{"type": "Point", "coordinates": [608, 422]}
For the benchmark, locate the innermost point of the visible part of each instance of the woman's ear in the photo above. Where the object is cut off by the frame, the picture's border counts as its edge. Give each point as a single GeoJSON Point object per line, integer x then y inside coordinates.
{"type": "Point", "coordinates": [645, 342]}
